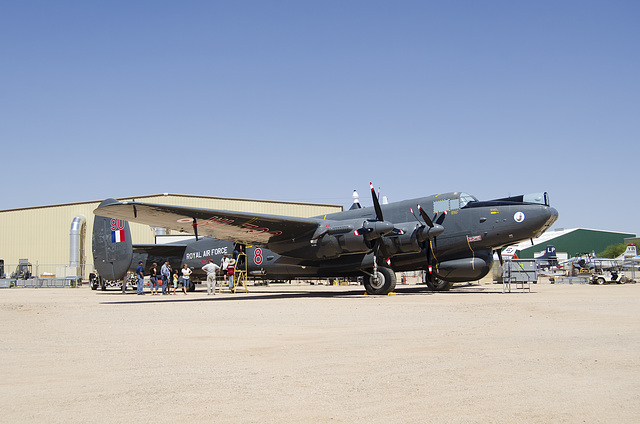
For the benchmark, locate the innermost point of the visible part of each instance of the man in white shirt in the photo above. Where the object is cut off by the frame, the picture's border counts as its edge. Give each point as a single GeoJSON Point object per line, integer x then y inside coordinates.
{"type": "Point", "coordinates": [165, 271]}
{"type": "Point", "coordinates": [210, 268]}
{"type": "Point", "coordinates": [225, 264]}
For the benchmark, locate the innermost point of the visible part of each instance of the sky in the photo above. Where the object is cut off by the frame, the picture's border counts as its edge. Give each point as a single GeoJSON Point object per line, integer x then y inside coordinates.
{"type": "Point", "coordinates": [308, 100]}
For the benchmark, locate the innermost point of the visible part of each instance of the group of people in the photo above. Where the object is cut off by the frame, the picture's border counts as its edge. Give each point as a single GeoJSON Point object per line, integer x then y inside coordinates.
{"type": "Point", "coordinates": [163, 279]}
{"type": "Point", "coordinates": [226, 268]}
{"type": "Point", "coordinates": [166, 275]}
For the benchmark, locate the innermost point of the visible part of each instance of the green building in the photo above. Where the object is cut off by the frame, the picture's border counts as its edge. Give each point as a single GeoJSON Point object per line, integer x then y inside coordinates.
{"type": "Point", "coordinates": [570, 242]}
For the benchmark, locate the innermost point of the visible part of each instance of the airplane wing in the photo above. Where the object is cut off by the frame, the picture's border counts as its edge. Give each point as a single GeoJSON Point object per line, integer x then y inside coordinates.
{"type": "Point", "coordinates": [244, 227]}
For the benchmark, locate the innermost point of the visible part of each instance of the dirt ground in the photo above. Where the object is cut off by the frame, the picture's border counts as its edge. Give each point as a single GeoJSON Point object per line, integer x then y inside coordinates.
{"type": "Point", "coordinates": [288, 353]}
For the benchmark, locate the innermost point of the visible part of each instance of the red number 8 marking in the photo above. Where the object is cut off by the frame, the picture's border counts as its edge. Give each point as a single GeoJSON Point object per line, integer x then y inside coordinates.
{"type": "Point", "coordinates": [257, 256]}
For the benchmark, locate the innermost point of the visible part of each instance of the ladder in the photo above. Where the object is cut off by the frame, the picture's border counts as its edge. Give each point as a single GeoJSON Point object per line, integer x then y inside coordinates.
{"type": "Point", "coordinates": [240, 274]}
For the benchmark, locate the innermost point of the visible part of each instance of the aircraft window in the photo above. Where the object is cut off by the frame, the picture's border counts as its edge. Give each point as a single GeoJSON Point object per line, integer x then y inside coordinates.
{"type": "Point", "coordinates": [453, 204]}
{"type": "Point", "coordinates": [441, 205]}
{"type": "Point", "coordinates": [466, 198]}
{"type": "Point", "coordinates": [540, 198]}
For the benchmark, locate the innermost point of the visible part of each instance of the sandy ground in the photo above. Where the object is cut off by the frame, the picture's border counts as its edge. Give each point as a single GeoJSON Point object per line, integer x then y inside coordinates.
{"type": "Point", "coordinates": [562, 353]}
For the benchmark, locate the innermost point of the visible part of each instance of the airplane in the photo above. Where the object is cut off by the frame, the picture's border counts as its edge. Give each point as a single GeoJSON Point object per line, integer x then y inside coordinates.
{"type": "Point", "coordinates": [453, 242]}
{"type": "Point", "coordinates": [584, 263]}
{"type": "Point", "coordinates": [548, 259]}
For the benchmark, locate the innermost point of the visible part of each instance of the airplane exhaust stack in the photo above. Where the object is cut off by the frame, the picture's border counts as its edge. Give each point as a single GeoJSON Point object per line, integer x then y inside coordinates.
{"type": "Point", "coordinates": [76, 242]}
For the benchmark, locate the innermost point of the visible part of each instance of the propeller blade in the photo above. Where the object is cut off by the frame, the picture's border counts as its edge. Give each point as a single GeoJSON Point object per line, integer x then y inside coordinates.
{"type": "Point", "coordinates": [195, 228]}
{"type": "Point", "coordinates": [424, 216]}
{"type": "Point", "coordinates": [499, 252]}
{"type": "Point", "coordinates": [376, 203]}
{"type": "Point", "coordinates": [440, 219]}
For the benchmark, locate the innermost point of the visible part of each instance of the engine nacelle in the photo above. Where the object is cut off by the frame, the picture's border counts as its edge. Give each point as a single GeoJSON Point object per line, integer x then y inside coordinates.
{"type": "Point", "coordinates": [401, 243]}
{"type": "Point", "coordinates": [352, 243]}
{"type": "Point", "coordinates": [336, 238]}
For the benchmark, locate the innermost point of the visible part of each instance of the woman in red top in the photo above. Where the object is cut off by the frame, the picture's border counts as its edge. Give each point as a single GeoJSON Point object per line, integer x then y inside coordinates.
{"type": "Point", "coordinates": [231, 269]}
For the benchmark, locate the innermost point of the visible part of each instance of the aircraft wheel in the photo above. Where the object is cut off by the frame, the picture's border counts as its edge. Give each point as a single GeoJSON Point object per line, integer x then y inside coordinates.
{"type": "Point", "coordinates": [382, 283]}
{"type": "Point", "coordinates": [436, 284]}
{"type": "Point", "coordinates": [93, 281]}
{"type": "Point", "coordinates": [103, 284]}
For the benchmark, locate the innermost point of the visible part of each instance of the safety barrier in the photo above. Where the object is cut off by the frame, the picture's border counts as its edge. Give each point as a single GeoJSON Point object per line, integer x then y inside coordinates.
{"type": "Point", "coordinates": [40, 282]}
{"type": "Point", "coordinates": [26, 270]}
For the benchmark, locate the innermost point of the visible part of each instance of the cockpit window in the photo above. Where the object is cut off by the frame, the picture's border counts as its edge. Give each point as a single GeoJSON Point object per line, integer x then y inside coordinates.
{"type": "Point", "coordinates": [541, 198]}
{"type": "Point", "coordinates": [466, 198]}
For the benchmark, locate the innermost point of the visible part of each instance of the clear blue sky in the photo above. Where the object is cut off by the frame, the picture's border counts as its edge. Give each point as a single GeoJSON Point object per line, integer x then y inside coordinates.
{"type": "Point", "coordinates": [307, 101]}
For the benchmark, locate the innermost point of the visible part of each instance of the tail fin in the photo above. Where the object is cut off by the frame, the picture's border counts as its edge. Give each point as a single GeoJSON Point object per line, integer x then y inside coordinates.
{"type": "Point", "coordinates": [112, 248]}
{"type": "Point", "coordinates": [631, 251]}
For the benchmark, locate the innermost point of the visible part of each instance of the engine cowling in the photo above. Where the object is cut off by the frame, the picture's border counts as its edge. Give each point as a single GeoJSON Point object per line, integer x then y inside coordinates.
{"type": "Point", "coordinates": [401, 243]}
{"type": "Point", "coordinates": [411, 241]}
{"type": "Point", "coordinates": [337, 240]}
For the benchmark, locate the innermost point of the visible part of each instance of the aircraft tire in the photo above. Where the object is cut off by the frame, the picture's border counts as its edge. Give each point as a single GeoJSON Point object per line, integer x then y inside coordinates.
{"type": "Point", "coordinates": [436, 284]}
{"type": "Point", "coordinates": [385, 284]}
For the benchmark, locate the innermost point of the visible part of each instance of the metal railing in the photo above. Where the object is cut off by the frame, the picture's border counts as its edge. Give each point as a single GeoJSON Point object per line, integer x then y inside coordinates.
{"type": "Point", "coordinates": [35, 275]}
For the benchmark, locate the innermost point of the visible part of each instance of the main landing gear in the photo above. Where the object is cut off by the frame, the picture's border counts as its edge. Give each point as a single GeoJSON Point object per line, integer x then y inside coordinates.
{"type": "Point", "coordinates": [436, 284]}
{"type": "Point", "coordinates": [381, 281]}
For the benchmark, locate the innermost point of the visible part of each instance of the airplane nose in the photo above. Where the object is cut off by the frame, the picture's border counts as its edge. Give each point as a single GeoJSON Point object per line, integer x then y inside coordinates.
{"type": "Point", "coordinates": [551, 215]}
{"type": "Point", "coordinates": [553, 212]}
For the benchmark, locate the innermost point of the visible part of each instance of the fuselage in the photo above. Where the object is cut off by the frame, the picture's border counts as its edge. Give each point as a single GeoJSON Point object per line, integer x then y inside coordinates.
{"type": "Point", "coordinates": [462, 252]}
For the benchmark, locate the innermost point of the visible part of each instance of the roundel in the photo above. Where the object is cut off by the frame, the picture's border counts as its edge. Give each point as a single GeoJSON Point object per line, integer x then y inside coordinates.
{"type": "Point", "coordinates": [518, 216]}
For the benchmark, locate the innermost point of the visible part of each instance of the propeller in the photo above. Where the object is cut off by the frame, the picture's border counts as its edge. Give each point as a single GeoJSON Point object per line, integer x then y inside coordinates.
{"type": "Point", "coordinates": [374, 229]}
{"type": "Point", "coordinates": [429, 232]}
{"type": "Point", "coordinates": [433, 230]}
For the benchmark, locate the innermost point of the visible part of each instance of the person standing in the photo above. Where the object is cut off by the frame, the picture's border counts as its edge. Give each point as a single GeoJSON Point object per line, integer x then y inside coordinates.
{"type": "Point", "coordinates": [231, 270]}
{"type": "Point", "coordinates": [165, 270]}
{"type": "Point", "coordinates": [210, 268]}
{"type": "Point", "coordinates": [153, 278]}
{"type": "Point", "coordinates": [140, 277]}
{"type": "Point", "coordinates": [224, 265]}
{"type": "Point", "coordinates": [186, 272]}
{"type": "Point", "coordinates": [175, 281]}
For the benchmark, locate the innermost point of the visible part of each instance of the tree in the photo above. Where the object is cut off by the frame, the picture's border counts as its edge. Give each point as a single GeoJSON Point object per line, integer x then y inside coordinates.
{"type": "Point", "coordinates": [613, 251]}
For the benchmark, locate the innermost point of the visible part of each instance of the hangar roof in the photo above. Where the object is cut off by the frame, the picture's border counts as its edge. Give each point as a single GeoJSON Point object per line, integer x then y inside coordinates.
{"type": "Point", "coordinates": [188, 196]}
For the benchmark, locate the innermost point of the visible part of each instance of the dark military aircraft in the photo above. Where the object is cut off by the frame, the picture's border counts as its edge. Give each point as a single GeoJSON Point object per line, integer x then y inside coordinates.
{"type": "Point", "coordinates": [452, 236]}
